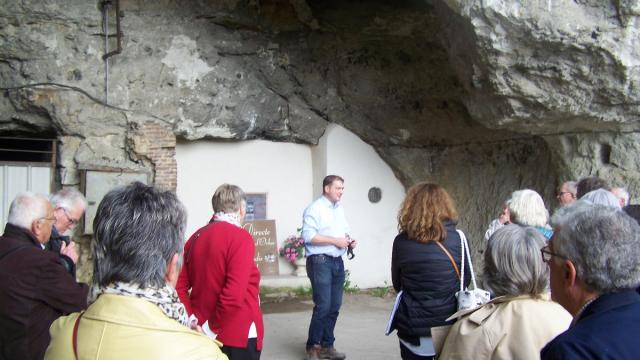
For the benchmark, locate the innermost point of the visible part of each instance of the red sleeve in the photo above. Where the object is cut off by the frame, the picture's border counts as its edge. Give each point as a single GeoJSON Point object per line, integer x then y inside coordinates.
{"type": "Point", "coordinates": [239, 264]}
{"type": "Point", "coordinates": [184, 284]}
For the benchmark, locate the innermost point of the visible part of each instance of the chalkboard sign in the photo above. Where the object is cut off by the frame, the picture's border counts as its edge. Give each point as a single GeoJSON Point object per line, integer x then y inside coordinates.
{"type": "Point", "coordinates": [264, 236]}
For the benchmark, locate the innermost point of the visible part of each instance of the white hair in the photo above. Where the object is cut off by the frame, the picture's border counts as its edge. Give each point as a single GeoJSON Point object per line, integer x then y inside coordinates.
{"type": "Point", "coordinates": [68, 198]}
{"type": "Point", "coordinates": [26, 208]}
{"type": "Point", "coordinates": [602, 197]}
{"type": "Point", "coordinates": [527, 208]}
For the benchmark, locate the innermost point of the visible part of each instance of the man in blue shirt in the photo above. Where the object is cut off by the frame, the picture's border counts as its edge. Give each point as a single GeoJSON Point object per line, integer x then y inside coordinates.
{"type": "Point", "coordinates": [594, 262]}
{"type": "Point", "coordinates": [326, 236]}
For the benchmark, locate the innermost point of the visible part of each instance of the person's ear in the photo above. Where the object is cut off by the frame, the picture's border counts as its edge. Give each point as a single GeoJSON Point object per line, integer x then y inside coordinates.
{"type": "Point", "coordinates": [36, 227]}
{"type": "Point", "coordinates": [570, 273]}
{"type": "Point", "coordinates": [171, 277]}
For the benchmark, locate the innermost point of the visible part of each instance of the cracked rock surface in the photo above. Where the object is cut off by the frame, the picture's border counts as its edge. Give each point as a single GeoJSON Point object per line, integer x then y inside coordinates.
{"type": "Point", "coordinates": [483, 97]}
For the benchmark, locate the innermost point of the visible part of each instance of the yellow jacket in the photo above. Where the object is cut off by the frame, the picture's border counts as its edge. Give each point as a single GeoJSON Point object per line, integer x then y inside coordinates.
{"type": "Point", "coordinates": [122, 327]}
{"type": "Point", "coordinates": [505, 328]}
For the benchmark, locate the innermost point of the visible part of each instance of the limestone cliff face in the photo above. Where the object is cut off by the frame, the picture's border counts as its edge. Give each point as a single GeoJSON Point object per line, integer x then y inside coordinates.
{"type": "Point", "coordinates": [548, 66]}
{"type": "Point", "coordinates": [485, 97]}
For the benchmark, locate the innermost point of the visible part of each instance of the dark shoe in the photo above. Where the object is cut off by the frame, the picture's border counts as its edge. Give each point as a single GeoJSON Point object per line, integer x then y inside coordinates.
{"type": "Point", "coordinates": [331, 353]}
{"type": "Point", "coordinates": [313, 353]}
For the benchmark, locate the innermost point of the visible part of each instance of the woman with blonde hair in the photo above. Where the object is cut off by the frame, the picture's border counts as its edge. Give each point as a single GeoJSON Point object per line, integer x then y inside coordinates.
{"type": "Point", "coordinates": [422, 266]}
{"type": "Point", "coordinates": [527, 208]}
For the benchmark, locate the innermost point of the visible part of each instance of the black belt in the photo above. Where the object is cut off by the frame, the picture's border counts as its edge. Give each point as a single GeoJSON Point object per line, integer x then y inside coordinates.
{"type": "Point", "coordinates": [326, 256]}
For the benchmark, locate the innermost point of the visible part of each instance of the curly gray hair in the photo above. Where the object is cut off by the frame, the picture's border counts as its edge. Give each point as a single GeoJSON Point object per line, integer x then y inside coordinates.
{"type": "Point", "coordinates": [602, 242]}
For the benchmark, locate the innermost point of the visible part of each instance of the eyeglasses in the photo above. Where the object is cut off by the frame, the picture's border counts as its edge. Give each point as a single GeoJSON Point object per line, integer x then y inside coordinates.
{"type": "Point", "coordinates": [71, 220]}
{"type": "Point", "coordinates": [53, 218]}
{"type": "Point", "coordinates": [563, 192]}
{"type": "Point", "coordinates": [547, 254]}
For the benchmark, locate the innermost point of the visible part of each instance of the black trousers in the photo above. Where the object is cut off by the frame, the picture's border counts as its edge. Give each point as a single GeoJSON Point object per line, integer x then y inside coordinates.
{"type": "Point", "coordinates": [407, 354]}
{"type": "Point", "coordinates": [249, 353]}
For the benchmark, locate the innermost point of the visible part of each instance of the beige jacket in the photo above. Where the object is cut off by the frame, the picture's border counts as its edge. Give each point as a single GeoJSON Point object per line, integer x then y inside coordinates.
{"type": "Point", "coordinates": [122, 327]}
{"type": "Point", "coordinates": [505, 328]}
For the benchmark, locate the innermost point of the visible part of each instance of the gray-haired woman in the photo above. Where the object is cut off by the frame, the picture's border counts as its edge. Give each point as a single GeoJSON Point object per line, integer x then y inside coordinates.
{"type": "Point", "coordinates": [220, 281]}
{"type": "Point", "coordinates": [521, 319]}
{"type": "Point", "coordinates": [134, 311]}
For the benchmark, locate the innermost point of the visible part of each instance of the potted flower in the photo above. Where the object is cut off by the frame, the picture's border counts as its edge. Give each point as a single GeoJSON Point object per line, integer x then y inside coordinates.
{"type": "Point", "coordinates": [293, 250]}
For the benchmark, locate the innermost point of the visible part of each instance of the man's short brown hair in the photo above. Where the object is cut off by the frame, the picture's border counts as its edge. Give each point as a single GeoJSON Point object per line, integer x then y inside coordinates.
{"type": "Point", "coordinates": [329, 179]}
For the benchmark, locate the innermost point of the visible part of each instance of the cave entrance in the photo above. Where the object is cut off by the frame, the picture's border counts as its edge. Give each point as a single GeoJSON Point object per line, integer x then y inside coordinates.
{"type": "Point", "coordinates": [26, 164]}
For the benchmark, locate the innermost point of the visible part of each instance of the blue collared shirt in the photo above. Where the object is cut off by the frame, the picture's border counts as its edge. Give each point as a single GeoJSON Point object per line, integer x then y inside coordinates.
{"type": "Point", "coordinates": [324, 218]}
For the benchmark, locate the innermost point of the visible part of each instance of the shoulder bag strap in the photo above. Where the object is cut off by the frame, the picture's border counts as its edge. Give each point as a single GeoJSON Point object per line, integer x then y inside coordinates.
{"type": "Point", "coordinates": [465, 250]}
{"type": "Point", "coordinates": [455, 267]}
{"type": "Point", "coordinates": [75, 336]}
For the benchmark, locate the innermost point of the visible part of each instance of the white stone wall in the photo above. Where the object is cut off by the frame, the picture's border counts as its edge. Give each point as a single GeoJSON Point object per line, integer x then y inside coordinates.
{"type": "Point", "coordinates": [292, 175]}
{"type": "Point", "coordinates": [373, 225]}
{"type": "Point", "coordinates": [282, 170]}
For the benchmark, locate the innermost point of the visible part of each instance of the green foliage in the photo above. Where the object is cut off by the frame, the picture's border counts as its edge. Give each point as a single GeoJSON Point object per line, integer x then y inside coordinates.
{"type": "Point", "coordinates": [347, 286]}
{"type": "Point", "coordinates": [302, 291]}
{"type": "Point", "coordinates": [270, 294]}
{"type": "Point", "coordinates": [381, 292]}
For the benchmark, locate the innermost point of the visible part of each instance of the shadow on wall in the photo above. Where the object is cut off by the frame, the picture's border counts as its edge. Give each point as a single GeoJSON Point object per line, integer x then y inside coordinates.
{"type": "Point", "coordinates": [480, 177]}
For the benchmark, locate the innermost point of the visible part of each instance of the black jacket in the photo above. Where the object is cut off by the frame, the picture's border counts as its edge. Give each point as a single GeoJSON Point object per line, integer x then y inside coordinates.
{"type": "Point", "coordinates": [429, 283]}
{"type": "Point", "coordinates": [55, 244]}
{"type": "Point", "coordinates": [35, 289]}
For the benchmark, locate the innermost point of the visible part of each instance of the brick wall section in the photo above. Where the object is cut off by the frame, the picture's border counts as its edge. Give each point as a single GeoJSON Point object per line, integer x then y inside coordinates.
{"type": "Point", "coordinates": [160, 147]}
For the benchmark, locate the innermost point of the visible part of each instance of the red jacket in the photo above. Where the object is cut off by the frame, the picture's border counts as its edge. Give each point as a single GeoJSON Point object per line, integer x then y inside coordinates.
{"type": "Point", "coordinates": [224, 281]}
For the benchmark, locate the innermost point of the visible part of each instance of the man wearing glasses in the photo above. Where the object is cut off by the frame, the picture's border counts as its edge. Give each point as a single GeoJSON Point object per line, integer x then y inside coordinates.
{"type": "Point", "coordinates": [594, 263]}
{"type": "Point", "coordinates": [35, 289]}
{"type": "Point", "coordinates": [567, 193]}
{"type": "Point", "coordinates": [69, 205]}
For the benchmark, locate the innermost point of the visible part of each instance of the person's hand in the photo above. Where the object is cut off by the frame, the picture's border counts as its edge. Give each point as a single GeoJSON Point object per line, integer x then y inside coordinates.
{"type": "Point", "coordinates": [193, 324]}
{"type": "Point", "coordinates": [341, 243]}
{"type": "Point", "coordinates": [69, 251]}
{"type": "Point", "coordinates": [353, 243]}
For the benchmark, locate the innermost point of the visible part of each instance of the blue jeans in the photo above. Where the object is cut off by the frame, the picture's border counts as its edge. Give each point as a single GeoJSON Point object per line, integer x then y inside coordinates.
{"type": "Point", "coordinates": [327, 278]}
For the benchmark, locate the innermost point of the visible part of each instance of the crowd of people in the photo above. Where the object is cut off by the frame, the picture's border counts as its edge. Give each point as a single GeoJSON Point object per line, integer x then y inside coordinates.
{"type": "Point", "coordinates": [561, 286]}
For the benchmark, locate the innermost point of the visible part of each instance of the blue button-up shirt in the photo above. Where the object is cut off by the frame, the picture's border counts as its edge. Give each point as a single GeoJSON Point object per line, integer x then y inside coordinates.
{"type": "Point", "coordinates": [324, 218]}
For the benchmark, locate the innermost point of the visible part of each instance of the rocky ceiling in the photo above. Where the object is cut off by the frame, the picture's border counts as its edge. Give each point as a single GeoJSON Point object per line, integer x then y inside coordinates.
{"type": "Point", "coordinates": [483, 96]}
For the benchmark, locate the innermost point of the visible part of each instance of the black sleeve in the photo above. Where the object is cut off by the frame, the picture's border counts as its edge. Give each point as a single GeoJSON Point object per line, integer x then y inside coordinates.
{"type": "Point", "coordinates": [68, 265]}
{"type": "Point", "coordinates": [395, 267]}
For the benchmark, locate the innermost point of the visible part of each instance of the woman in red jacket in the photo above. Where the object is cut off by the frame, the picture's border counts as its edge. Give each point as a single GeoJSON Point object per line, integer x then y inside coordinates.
{"type": "Point", "coordinates": [219, 282]}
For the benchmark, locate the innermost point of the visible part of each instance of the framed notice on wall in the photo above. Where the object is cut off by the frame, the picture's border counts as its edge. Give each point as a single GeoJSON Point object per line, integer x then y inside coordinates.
{"type": "Point", "coordinates": [264, 236]}
{"type": "Point", "coordinates": [256, 206]}
{"type": "Point", "coordinates": [97, 183]}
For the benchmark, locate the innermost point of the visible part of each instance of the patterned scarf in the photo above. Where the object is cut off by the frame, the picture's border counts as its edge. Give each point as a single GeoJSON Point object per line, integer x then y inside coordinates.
{"type": "Point", "coordinates": [233, 218]}
{"type": "Point", "coordinates": [166, 298]}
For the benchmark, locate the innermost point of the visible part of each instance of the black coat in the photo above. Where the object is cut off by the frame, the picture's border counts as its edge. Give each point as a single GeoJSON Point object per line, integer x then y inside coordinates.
{"type": "Point", "coordinates": [35, 289]}
{"type": "Point", "coordinates": [429, 283]}
{"type": "Point", "coordinates": [55, 244]}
